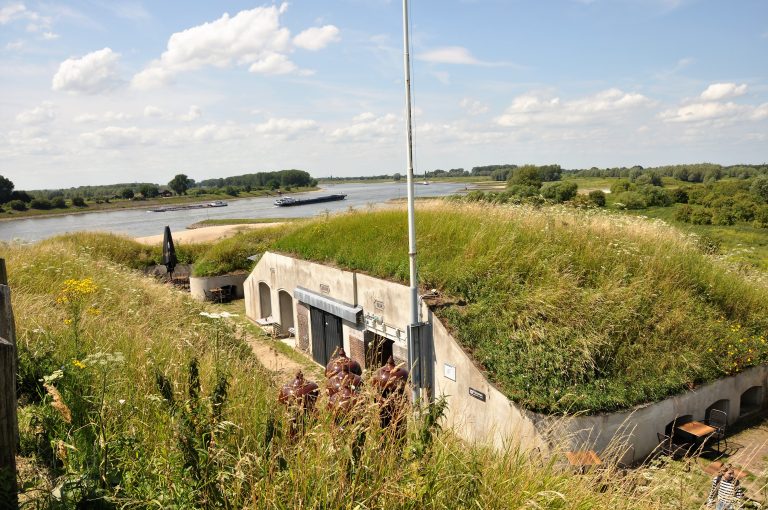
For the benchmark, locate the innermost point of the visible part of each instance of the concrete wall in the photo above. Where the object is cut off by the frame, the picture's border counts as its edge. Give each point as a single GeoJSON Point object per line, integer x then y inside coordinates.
{"type": "Point", "coordinates": [199, 285]}
{"type": "Point", "coordinates": [477, 410]}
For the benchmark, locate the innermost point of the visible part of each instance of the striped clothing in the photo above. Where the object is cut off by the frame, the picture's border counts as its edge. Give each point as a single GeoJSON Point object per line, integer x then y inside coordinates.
{"type": "Point", "coordinates": [727, 493]}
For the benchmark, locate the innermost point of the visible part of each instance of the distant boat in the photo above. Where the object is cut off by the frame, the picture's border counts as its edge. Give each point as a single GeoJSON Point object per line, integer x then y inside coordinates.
{"type": "Point", "coordinates": [217, 203]}
{"type": "Point", "coordinates": [289, 201]}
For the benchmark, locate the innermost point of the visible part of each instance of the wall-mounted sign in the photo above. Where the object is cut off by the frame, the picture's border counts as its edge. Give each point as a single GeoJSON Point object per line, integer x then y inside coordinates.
{"type": "Point", "coordinates": [479, 395]}
{"type": "Point", "coordinates": [449, 371]}
{"type": "Point", "coordinates": [378, 305]}
{"type": "Point", "coordinates": [325, 289]}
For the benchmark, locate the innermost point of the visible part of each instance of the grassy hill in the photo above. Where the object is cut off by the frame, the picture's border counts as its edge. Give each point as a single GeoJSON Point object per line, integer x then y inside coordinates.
{"type": "Point", "coordinates": [130, 398]}
{"type": "Point", "coordinates": [566, 310]}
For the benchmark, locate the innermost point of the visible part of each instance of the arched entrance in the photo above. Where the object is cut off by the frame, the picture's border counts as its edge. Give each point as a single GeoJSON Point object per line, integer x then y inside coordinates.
{"type": "Point", "coordinates": [286, 311]}
{"type": "Point", "coordinates": [265, 301]}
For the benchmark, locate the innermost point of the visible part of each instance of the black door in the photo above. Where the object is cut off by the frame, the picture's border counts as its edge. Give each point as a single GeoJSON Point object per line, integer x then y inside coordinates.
{"type": "Point", "coordinates": [326, 335]}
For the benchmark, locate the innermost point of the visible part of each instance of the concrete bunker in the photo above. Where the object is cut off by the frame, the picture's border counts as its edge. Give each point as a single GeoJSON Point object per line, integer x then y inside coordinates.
{"type": "Point", "coordinates": [722, 405]}
{"type": "Point", "coordinates": [265, 301]}
{"type": "Point", "coordinates": [285, 301]}
{"type": "Point", "coordinates": [751, 400]}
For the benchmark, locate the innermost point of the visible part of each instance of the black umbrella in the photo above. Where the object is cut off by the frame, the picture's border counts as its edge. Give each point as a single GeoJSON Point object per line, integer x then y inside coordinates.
{"type": "Point", "coordinates": [169, 252]}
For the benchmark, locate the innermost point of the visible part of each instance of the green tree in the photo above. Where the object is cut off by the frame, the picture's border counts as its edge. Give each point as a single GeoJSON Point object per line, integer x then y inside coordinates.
{"type": "Point", "coordinates": [149, 190]}
{"type": "Point", "coordinates": [78, 201]}
{"type": "Point", "coordinates": [760, 187]}
{"type": "Point", "coordinates": [180, 184]}
{"type": "Point", "coordinates": [527, 175]}
{"type": "Point", "coordinates": [127, 193]}
{"type": "Point", "coordinates": [597, 197]}
{"type": "Point", "coordinates": [559, 191]}
{"type": "Point", "coordinates": [397, 177]}
{"type": "Point", "coordinates": [6, 188]}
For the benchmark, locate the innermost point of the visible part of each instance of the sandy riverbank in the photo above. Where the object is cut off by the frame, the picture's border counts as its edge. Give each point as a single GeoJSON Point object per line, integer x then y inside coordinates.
{"type": "Point", "coordinates": [204, 234]}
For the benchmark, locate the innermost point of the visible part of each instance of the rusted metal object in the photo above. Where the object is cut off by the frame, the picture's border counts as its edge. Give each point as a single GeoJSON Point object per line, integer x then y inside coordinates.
{"type": "Point", "coordinates": [340, 362]}
{"type": "Point", "coordinates": [343, 379]}
{"type": "Point", "coordinates": [391, 381]}
{"type": "Point", "coordinates": [390, 378]}
{"type": "Point", "coordinates": [300, 392]}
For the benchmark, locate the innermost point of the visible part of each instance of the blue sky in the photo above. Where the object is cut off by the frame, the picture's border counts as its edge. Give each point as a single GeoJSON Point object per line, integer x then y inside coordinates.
{"type": "Point", "coordinates": [100, 91]}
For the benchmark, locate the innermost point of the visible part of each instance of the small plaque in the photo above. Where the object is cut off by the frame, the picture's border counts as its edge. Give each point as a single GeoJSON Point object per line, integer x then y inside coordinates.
{"type": "Point", "coordinates": [325, 289]}
{"type": "Point", "coordinates": [378, 305]}
{"type": "Point", "coordinates": [479, 395]}
{"type": "Point", "coordinates": [449, 371]}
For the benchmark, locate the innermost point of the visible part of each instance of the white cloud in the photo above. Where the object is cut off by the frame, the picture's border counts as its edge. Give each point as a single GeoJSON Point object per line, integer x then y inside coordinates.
{"type": "Point", "coordinates": [17, 11]}
{"type": "Point", "coordinates": [14, 45]}
{"type": "Point", "coordinates": [697, 112]}
{"type": "Point", "coordinates": [91, 74]}
{"type": "Point", "coordinates": [368, 127]}
{"type": "Point", "coordinates": [86, 118]}
{"type": "Point", "coordinates": [273, 63]}
{"type": "Point", "coordinates": [252, 38]}
{"type": "Point", "coordinates": [761, 112]}
{"type": "Point", "coordinates": [317, 38]}
{"type": "Point", "coordinates": [455, 55]}
{"type": "Point", "coordinates": [193, 113]}
{"type": "Point", "coordinates": [108, 116]}
{"type": "Point", "coordinates": [50, 36]}
{"type": "Point", "coordinates": [537, 109]}
{"type": "Point", "coordinates": [113, 137]}
{"type": "Point", "coordinates": [151, 111]}
{"type": "Point", "coordinates": [214, 133]}
{"type": "Point", "coordinates": [718, 91]}
{"type": "Point", "coordinates": [285, 128]}
{"type": "Point", "coordinates": [473, 107]}
{"type": "Point", "coordinates": [12, 12]}
{"type": "Point", "coordinates": [39, 115]}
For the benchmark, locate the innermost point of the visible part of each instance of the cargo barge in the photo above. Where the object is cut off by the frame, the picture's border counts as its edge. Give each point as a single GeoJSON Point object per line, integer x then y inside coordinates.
{"type": "Point", "coordinates": [289, 201]}
{"type": "Point", "coordinates": [217, 203]}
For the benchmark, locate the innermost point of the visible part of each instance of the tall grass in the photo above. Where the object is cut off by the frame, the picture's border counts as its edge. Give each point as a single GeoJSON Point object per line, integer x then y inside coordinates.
{"type": "Point", "coordinates": [567, 311]}
{"type": "Point", "coordinates": [149, 425]}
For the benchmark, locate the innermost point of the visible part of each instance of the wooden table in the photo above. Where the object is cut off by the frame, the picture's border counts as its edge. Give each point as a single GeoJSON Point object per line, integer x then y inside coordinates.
{"type": "Point", "coordinates": [697, 429]}
{"type": "Point", "coordinates": [583, 458]}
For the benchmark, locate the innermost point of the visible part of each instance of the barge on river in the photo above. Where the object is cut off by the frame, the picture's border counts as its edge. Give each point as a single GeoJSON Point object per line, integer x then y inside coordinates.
{"type": "Point", "coordinates": [217, 203]}
{"type": "Point", "coordinates": [289, 201]}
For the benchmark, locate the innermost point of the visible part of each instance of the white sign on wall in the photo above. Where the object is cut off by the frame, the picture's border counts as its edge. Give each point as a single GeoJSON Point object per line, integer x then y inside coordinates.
{"type": "Point", "coordinates": [449, 371]}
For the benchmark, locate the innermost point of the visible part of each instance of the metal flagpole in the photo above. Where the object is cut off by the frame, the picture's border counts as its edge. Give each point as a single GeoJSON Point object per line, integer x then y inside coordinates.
{"type": "Point", "coordinates": [413, 355]}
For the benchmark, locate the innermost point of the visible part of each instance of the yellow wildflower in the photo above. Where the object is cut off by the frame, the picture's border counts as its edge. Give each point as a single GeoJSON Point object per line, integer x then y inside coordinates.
{"type": "Point", "coordinates": [78, 363]}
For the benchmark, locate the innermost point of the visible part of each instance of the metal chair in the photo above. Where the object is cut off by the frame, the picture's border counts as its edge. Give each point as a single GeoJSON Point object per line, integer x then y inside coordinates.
{"type": "Point", "coordinates": [718, 420]}
{"type": "Point", "coordinates": [672, 449]}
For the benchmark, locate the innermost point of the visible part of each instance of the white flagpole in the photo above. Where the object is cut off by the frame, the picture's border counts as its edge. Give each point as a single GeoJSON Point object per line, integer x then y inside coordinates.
{"type": "Point", "coordinates": [413, 356]}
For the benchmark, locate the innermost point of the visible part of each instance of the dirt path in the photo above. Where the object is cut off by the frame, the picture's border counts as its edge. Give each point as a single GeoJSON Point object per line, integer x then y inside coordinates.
{"type": "Point", "coordinates": [274, 360]}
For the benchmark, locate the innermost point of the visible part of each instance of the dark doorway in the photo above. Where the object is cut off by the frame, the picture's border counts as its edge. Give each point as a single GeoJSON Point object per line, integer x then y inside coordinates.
{"type": "Point", "coordinates": [265, 301]}
{"type": "Point", "coordinates": [326, 335]}
{"type": "Point", "coordinates": [378, 349]}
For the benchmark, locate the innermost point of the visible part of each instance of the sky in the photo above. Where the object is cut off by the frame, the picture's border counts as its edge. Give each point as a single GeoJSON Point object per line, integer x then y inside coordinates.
{"type": "Point", "coordinates": [108, 91]}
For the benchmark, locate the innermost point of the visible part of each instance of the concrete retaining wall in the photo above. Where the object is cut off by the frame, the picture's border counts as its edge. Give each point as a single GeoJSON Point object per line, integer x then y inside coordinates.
{"type": "Point", "coordinates": [477, 410]}
{"type": "Point", "coordinates": [199, 285]}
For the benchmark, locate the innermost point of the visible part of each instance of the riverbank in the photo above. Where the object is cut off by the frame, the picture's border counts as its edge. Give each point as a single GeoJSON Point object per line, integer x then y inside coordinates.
{"type": "Point", "coordinates": [204, 234]}
{"type": "Point", "coordinates": [121, 204]}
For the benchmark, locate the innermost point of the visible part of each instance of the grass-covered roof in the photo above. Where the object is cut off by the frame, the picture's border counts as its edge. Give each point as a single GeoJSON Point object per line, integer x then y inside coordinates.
{"type": "Point", "coordinates": [566, 311]}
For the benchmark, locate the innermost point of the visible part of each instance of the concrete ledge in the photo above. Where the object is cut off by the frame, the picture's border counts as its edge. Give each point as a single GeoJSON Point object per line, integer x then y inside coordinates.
{"type": "Point", "coordinates": [199, 285]}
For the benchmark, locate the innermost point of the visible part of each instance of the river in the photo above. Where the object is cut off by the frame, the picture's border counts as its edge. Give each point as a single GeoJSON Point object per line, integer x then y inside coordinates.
{"type": "Point", "coordinates": [140, 222]}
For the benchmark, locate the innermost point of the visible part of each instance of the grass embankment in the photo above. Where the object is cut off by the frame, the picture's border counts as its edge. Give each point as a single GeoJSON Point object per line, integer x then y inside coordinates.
{"type": "Point", "coordinates": [131, 399]}
{"type": "Point", "coordinates": [567, 311]}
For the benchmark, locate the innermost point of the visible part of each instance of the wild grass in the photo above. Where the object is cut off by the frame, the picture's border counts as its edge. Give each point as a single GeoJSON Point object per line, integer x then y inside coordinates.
{"type": "Point", "coordinates": [566, 311]}
{"type": "Point", "coordinates": [231, 255]}
{"type": "Point", "coordinates": [150, 424]}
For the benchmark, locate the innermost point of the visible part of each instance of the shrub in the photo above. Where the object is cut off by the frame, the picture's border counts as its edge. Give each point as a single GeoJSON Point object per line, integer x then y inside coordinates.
{"type": "Point", "coordinates": [597, 197]}
{"type": "Point", "coordinates": [527, 175]}
{"type": "Point", "coordinates": [559, 191]}
{"type": "Point", "coordinates": [683, 213]}
{"type": "Point", "coordinates": [679, 195]}
{"type": "Point", "coordinates": [701, 216]}
{"type": "Point", "coordinates": [231, 191]}
{"type": "Point", "coordinates": [655, 196]}
{"type": "Point", "coordinates": [621, 186]}
{"type": "Point", "coordinates": [17, 205]}
{"type": "Point", "coordinates": [630, 200]}
{"type": "Point", "coordinates": [40, 203]}
{"type": "Point", "coordinates": [59, 203]}
{"type": "Point", "coordinates": [523, 191]}
{"type": "Point", "coordinates": [761, 216]}
{"type": "Point", "coordinates": [760, 187]}
{"type": "Point", "coordinates": [127, 193]}
{"type": "Point", "coordinates": [78, 201]}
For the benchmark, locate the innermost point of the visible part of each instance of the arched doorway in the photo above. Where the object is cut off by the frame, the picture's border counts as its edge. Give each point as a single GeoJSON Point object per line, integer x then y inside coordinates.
{"type": "Point", "coordinates": [286, 311]}
{"type": "Point", "coordinates": [265, 301]}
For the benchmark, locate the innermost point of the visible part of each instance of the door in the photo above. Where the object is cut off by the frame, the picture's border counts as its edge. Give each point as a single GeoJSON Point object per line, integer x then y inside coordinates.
{"type": "Point", "coordinates": [326, 335]}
